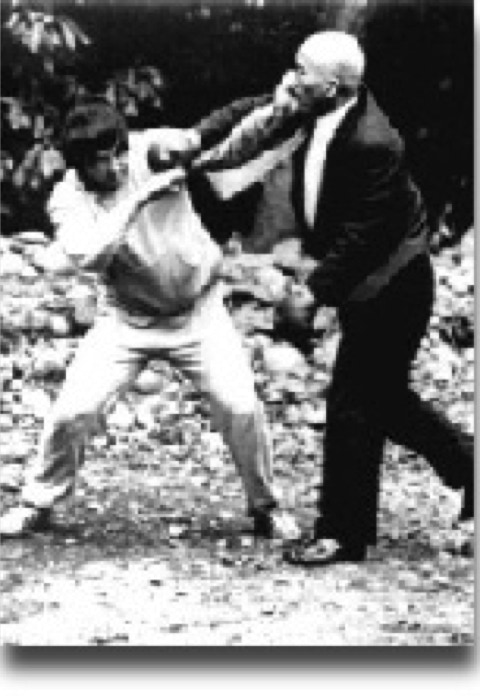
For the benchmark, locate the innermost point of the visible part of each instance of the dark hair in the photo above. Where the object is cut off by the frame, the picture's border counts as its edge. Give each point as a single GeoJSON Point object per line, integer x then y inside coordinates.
{"type": "Point", "coordinates": [89, 128]}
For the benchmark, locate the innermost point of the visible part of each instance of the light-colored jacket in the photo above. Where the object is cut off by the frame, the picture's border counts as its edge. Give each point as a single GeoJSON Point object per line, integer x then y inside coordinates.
{"type": "Point", "coordinates": [164, 262]}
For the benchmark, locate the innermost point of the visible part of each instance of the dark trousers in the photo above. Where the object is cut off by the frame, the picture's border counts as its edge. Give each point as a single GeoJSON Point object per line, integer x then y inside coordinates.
{"type": "Point", "coordinates": [370, 400]}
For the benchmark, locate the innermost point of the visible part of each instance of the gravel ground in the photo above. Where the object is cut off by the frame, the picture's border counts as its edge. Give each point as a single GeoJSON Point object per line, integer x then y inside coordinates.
{"type": "Point", "coordinates": [155, 547]}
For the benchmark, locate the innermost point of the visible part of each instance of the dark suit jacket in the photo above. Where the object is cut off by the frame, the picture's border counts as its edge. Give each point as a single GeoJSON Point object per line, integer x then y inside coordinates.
{"type": "Point", "coordinates": [221, 218]}
{"type": "Point", "coordinates": [367, 204]}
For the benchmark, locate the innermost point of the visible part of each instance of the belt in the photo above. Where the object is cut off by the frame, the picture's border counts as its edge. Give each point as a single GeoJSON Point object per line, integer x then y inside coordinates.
{"type": "Point", "coordinates": [373, 283]}
{"type": "Point", "coordinates": [137, 311]}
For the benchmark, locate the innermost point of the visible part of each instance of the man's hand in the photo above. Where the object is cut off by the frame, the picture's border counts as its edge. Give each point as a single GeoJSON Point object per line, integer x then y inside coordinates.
{"type": "Point", "coordinates": [283, 97]}
{"type": "Point", "coordinates": [173, 147]}
{"type": "Point", "coordinates": [293, 321]}
{"type": "Point", "coordinates": [298, 307]}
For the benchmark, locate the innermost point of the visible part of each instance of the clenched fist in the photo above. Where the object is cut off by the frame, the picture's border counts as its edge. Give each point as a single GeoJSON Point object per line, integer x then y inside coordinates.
{"type": "Point", "coordinates": [172, 147]}
{"type": "Point", "coordinates": [298, 307]}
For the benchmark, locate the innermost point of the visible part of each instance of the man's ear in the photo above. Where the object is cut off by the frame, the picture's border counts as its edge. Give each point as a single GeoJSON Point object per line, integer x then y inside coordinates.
{"type": "Point", "coordinates": [331, 89]}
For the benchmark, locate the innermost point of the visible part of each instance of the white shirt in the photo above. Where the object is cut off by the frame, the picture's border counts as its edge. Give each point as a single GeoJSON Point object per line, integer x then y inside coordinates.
{"type": "Point", "coordinates": [166, 258]}
{"type": "Point", "coordinates": [323, 133]}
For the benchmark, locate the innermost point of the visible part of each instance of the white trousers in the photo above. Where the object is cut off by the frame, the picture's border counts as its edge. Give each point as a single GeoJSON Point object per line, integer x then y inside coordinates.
{"type": "Point", "coordinates": [205, 347]}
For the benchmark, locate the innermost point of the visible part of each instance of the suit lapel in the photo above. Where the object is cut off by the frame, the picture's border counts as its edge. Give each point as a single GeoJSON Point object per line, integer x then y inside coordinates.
{"type": "Point", "coordinates": [334, 148]}
{"type": "Point", "coordinates": [342, 135]}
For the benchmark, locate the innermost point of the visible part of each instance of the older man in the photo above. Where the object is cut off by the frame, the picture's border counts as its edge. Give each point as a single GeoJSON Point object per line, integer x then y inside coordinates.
{"type": "Point", "coordinates": [362, 218]}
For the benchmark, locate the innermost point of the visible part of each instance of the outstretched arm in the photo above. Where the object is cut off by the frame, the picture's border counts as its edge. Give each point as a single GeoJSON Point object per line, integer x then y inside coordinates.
{"type": "Point", "coordinates": [218, 124]}
{"type": "Point", "coordinates": [259, 130]}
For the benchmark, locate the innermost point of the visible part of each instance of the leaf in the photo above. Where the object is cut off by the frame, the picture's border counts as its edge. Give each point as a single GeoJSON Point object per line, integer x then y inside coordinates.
{"type": "Point", "coordinates": [13, 22]}
{"type": "Point", "coordinates": [36, 37]}
{"type": "Point", "coordinates": [78, 33]}
{"type": "Point", "coordinates": [51, 162]}
{"type": "Point", "coordinates": [131, 108]}
{"type": "Point", "coordinates": [68, 37]}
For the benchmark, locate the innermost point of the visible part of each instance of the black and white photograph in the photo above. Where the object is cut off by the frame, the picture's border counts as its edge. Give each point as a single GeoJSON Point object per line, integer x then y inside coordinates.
{"type": "Point", "coordinates": [237, 323]}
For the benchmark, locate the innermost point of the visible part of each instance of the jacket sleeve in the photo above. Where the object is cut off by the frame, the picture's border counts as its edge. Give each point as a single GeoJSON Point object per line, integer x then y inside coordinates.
{"type": "Point", "coordinates": [368, 225]}
{"type": "Point", "coordinates": [217, 125]}
{"type": "Point", "coordinates": [261, 129]}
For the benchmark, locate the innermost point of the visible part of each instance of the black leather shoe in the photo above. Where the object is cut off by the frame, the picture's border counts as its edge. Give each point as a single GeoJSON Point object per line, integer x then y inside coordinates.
{"type": "Point", "coordinates": [323, 551]}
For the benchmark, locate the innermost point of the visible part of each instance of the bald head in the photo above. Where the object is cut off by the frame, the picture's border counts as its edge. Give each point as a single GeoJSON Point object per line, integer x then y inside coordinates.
{"type": "Point", "coordinates": [337, 55]}
{"type": "Point", "coordinates": [328, 73]}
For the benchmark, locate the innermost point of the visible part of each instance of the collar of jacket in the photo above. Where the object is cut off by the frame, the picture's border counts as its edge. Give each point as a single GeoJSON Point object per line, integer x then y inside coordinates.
{"type": "Point", "coordinates": [351, 118]}
{"type": "Point", "coordinates": [343, 132]}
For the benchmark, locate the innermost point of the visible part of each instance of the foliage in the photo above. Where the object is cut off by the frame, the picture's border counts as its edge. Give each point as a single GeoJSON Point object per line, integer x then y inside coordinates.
{"type": "Point", "coordinates": [46, 35]}
{"type": "Point", "coordinates": [176, 62]}
{"type": "Point", "coordinates": [45, 54]}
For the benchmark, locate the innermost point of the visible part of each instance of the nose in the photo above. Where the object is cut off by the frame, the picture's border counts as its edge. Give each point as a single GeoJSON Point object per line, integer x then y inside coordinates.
{"type": "Point", "coordinates": [289, 79]}
{"type": "Point", "coordinates": [118, 165]}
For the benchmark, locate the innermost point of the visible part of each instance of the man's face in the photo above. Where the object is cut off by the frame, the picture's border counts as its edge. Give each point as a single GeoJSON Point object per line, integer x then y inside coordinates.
{"type": "Point", "coordinates": [313, 86]}
{"type": "Point", "coordinates": [107, 170]}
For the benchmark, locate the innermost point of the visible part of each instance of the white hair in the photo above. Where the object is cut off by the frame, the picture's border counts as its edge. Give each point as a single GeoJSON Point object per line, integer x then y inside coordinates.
{"type": "Point", "coordinates": [339, 52]}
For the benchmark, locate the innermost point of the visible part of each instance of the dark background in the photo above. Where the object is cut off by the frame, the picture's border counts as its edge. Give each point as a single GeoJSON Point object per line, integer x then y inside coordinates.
{"type": "Point", "coordinates": [420, 67]}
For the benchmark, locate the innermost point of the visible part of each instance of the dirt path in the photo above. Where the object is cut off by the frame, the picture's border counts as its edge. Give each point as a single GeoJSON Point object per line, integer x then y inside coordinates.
{"type": "Point", "coordinates": [156, 549]}
{"type": "Point", "coordinates": [143, 572]}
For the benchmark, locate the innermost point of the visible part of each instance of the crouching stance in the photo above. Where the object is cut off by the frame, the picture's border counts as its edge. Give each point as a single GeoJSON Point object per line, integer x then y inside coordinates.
{"type": "Point", "coordinates": [140, 232]}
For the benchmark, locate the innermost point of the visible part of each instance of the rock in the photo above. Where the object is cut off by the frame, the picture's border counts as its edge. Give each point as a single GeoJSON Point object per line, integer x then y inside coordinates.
{"type": "Point", "coordinates": [122, 417]}
{"type": "Point", "coordinates": [11, 477]}
{"type": "Point", "coordinates": [233, 247]}
{"type": "Point", "coordinates": [6, 421]}
{"type": "Point", "coordinates": [37, 402]}
{"type": "Point", "coordinates": [314, 414]}
{"type": "Point", "coordinates": [17, 448]}
{"type": "Point", "coordinates": [59, 325]}
{"type": "Point", "coordinates": [231, 271]}
{"type": "Point", "coordinates": [149, 382]}
{"type": "Point", "coordinates": [273, 282]}
{"type": "Point", "coordinates": [325, 353]}
{"type": "Point", "coordinates": [282, 358]}
{"type": "Point", "coordinates": [31, 237]}
{"type": "Point", "coordinates": [287, 254]}
{"type": "Point", "coordinates": [146, 410]}
{"type": "Point", "coordinates": [176, 531]}
{"type": "Point", "coordinates": [292, 415]}
{"type": "Point", "coordinates": [28, 272]}
{"type": "Point", "coordinates": [36, 320]}
{"type": "Point", "coordinates": [444, 363]}
{"type": "Point", "coordinates": [51, 363]}
{"type": "Point", "coordinates": [51, 259]}
{"type": "Point", "coordinates": [259, 343]}
{"type": "Point", "coordinates": [12, 265]}
{"type": "Point", "coordinates": [83, 300]}
{"type": "Point", "coordinates": [325, 319]}
{"type": "Point", "coordinates": [5, 245]}
{"type": "Point", "coordinates": [21, 365]}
